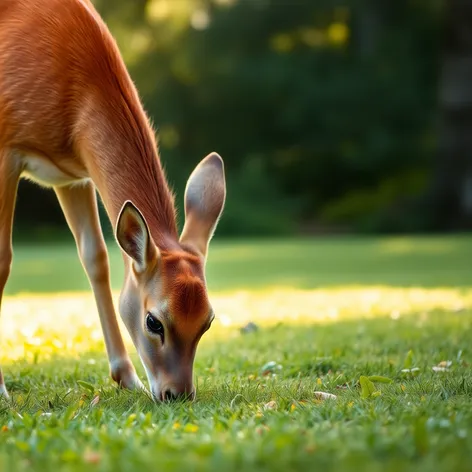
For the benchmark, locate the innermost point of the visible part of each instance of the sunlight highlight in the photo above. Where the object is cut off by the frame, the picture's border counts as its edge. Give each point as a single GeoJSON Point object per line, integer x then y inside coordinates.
{"type": "Point", "coordinates": [40, 326]}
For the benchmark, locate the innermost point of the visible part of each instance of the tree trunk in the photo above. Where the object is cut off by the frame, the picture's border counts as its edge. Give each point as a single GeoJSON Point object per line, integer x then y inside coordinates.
{"type": "Point", "coordinates": [451, 196]}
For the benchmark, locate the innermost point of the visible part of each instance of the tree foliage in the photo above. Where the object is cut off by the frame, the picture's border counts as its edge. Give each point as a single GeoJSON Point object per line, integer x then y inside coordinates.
{"type": "Point", "coordinates": [324, 111]}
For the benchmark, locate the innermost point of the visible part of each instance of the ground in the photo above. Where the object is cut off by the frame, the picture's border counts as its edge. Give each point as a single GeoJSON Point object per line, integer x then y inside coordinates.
{"type": "Point", "coordinates": [331, 312]}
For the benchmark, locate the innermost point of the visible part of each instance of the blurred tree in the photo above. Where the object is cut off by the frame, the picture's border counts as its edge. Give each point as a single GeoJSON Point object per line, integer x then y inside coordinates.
{"type": "Point", "coordinates": [323, 111]}
{"type": "Point", "coordinates": [451, 193]}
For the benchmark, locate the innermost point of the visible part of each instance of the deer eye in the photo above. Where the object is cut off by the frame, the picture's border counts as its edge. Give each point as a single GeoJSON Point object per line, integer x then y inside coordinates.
{"type": "Point", "coordinates": [154, 326]}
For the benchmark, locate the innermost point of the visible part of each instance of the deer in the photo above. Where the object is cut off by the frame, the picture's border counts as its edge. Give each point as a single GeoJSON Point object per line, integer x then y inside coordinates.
{"type": "Point", "coordinates": [71, 119]}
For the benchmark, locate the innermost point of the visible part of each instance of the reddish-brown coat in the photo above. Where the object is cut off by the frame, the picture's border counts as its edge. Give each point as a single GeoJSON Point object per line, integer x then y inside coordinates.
{"type": "Point", "coordinates": [69, 111]}
{"type": "Point", "coordinates": [184, 284]}
{"type": "Point", "coordinates": [78, 107]}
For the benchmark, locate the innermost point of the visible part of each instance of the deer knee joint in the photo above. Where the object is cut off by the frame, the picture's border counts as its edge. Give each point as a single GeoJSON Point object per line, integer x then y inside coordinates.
{"type": "Point", "coordinates": [95, 260]}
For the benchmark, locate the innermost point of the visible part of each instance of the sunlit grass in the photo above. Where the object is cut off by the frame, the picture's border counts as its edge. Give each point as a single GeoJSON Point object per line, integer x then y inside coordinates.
{"type": "Point", "coordinates": [386, 305]}
{"type": "Point", "coordinates": [44, 325]}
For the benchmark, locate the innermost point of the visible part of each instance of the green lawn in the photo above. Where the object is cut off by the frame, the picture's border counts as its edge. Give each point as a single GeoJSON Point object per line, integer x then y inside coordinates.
{"type": "Point", "coordinates": [302, 264]}
{"type": "Point", "coordinates": [329, 311]}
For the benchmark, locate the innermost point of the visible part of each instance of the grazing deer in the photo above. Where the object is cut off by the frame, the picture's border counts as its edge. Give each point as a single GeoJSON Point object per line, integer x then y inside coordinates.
{"type": "Point", "coordinates": [71, 119]}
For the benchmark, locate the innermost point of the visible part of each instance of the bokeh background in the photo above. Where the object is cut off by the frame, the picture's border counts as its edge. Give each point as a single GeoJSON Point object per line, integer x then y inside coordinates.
{"type": "Point", "coordinates": [332, 116]}
{"type": "Point", "coordinates": [344, 250]}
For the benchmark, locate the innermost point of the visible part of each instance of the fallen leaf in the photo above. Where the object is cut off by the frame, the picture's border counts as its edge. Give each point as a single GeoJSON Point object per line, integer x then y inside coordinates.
{"type": "Point", "coordinates": [443, 366]}
{"type": "Point", "coordinates": [270, 368]}
{"type": "Point", "coordinates": [95, 401]}
{"type": "Point", "coordinates": [86, 385]}
{"type": "Point", "coordinates": [367, 387]}
{"type": "Point", "coordinates": [270, 405]}
{"type": "Point", "coordinates": [408, 360]}
{"type": "Point", "coordinates": [411, 371]}
{"type": "Point", "coordinates": [325, 396]}
{"type": "Point", "coordinates": [379, 379]}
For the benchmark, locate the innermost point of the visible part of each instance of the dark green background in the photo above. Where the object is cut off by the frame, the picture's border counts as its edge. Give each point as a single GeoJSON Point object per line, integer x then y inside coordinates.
{"type": "Point", "coordinates": [329, 114]}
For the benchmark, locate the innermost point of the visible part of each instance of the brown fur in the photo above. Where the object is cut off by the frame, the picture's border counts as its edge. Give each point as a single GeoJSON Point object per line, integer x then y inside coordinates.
{"type": "Point", "coordinates": [184, 281]}
{"type": "Point", "coordinates": [78, 106]}
{"type": "Point", "coordinates": [69, 113]}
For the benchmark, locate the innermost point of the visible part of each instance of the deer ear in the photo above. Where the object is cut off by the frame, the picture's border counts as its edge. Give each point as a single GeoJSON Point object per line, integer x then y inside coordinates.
{"type": "Point", "coordinates": [132, 234]}
{"type": "Point", "coordinates": [204, 201]}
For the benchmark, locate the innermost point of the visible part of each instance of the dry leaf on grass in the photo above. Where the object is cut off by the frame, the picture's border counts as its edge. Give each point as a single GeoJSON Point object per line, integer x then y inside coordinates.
{"type": "Point", "coordinates": [270, 368]}
{"type": "Point", "coordinates": [443, 366]}
{"type": "Point", "coordinates": [325, 396]}
{"type": "Point", "coordinates": [270, 405]}
{"type": "Point", "coordinates": [411, 371]}
{"type": "Point", "coordinates": [95, 401]}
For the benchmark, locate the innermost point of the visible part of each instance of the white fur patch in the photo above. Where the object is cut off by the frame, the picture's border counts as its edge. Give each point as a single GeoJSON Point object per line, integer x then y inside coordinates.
{"type": "Point", "coordinates": [44, 172]}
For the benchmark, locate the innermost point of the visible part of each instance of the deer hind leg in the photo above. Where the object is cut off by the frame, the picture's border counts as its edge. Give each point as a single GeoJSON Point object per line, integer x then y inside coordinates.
{"type": "Point", "coordinates": [10, 172]}
{"type": "Point", "coordinates": [79, 204]}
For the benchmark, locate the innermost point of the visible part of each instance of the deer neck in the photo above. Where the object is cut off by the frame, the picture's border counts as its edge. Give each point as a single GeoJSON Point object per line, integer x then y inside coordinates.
{"type": "Point", "coordinates": [124, 164]}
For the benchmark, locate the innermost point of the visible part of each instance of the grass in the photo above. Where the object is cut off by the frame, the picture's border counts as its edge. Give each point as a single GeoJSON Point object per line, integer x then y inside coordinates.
{"type": "Point", "coordinates": [301, 264]}
{"type": "Point", "coordinates": [329, 312]}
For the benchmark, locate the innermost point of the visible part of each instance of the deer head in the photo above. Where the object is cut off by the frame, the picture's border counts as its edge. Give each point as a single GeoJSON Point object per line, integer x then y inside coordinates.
{"type": "Point", "coordinates": [164, 302]}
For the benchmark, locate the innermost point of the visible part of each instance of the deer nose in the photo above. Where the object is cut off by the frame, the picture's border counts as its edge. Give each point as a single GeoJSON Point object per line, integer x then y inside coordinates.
{"type": "Point", "coordinates": [169, 395]}
{"type": "Point", "coordinates": [172, 394]}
